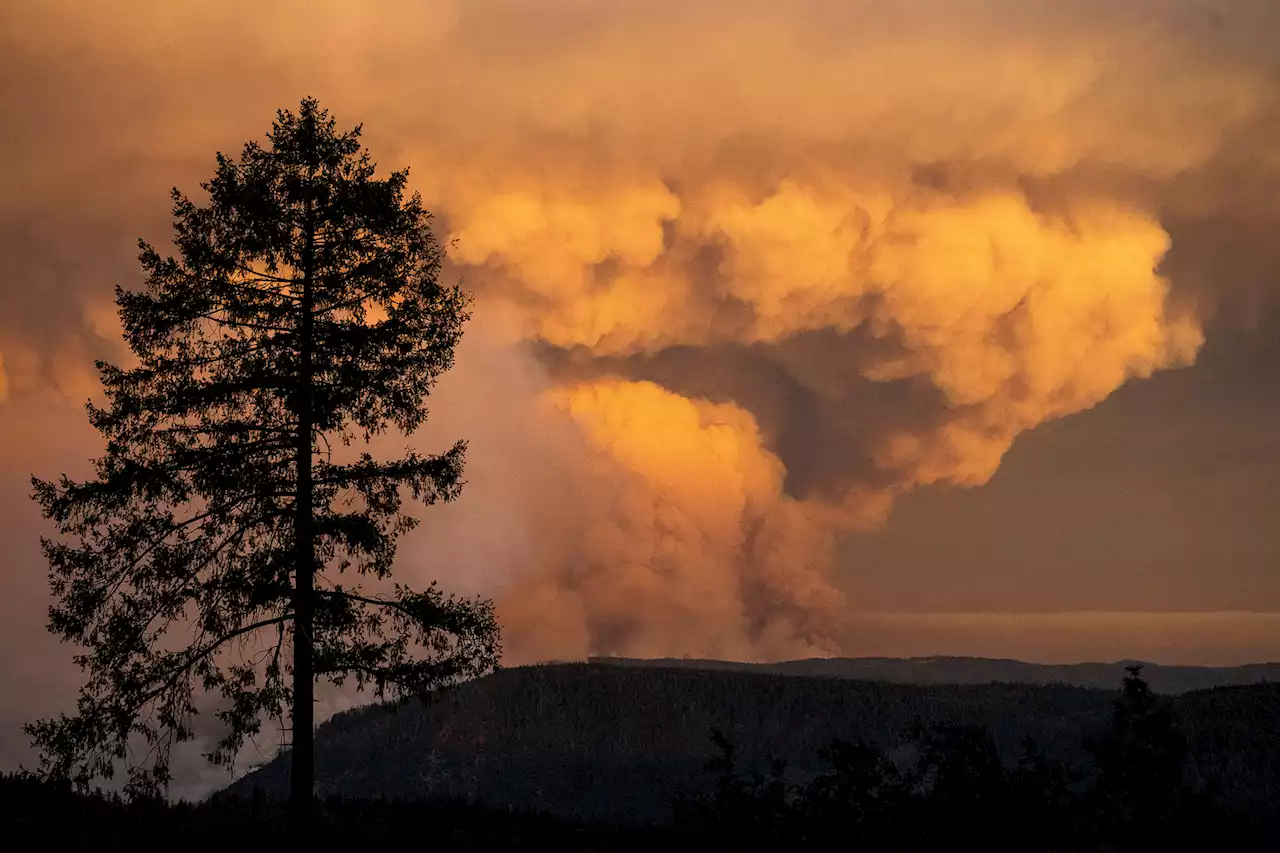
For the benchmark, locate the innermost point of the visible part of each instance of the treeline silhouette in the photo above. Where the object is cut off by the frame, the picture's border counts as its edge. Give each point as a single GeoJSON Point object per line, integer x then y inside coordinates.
{"type": "Point", "coordinates": [944, 669]}
{"type": "Point", "coordinates": [1139, 792]}
{"type": "Point", "coordinates": [944, 782]}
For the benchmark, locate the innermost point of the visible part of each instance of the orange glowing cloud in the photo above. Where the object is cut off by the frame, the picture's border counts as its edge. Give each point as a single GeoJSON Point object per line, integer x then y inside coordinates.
{"type": "Point", "coordinates": [695, 547]}
{"type": "Point", "coordinates": [906, 233]}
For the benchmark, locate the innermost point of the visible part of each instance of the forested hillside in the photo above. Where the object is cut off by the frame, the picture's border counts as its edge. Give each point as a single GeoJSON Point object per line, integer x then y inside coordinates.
{"type": "Point", "coordinates": [607, 740]}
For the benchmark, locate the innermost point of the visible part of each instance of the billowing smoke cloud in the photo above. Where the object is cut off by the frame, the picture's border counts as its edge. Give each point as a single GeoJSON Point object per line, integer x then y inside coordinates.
{"type": "Point", "coordinates": [747, 272]}
{"type": "Point", "coordinates": [925, 263]}
{"type": "Point", "coordinates": [1008, 317]}
{"type": "Point", "coordinates": [695, 546]}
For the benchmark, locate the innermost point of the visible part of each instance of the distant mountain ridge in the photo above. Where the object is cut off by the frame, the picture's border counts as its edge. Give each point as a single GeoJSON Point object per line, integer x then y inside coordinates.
{"type": "Point", "coordinates": [1163, 678]}
{"type": "Point", "coordinates": [622, 739]}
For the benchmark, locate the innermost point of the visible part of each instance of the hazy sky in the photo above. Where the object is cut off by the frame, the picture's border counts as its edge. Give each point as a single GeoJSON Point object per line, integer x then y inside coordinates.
{"type": "Point", "coordinates": [801, 328]}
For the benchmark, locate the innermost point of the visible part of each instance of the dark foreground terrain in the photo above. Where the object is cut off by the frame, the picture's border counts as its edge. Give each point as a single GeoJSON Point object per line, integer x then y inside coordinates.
{"type": "Point", "coordinates": [39, 816]}
{"type": "Point", "coordinates": [613, 757]}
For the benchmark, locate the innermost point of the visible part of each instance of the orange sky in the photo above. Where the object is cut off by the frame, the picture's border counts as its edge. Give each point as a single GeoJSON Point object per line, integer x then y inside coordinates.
{"type": "Point", "coordinates": [799, 326]}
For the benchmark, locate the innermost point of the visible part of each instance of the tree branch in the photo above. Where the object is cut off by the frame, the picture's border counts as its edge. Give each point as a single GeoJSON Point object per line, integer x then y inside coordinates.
{"type": "Point", "coordinates": [378, 602]}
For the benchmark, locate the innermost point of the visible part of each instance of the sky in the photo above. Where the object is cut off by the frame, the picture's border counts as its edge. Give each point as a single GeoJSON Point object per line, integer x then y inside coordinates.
{"type": "Point", "coordinates": [801, 329]}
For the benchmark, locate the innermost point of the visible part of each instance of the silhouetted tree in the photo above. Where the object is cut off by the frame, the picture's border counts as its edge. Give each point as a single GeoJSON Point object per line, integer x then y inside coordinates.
{"type": "Point", "coordinates": [1043, 806]}
{"type": "Point", "coordinates": [729, 789]}
{"type": "Point", "coordinates": [743, 811]}
{"type": "Point", "coordinates": [303, 314]}
{"type": "Point", "coordinates": [1140, 761]}
{"type": "Point", "coordinates": [960, 783]}
{"type": "Point", "coordinates": [854, 798]}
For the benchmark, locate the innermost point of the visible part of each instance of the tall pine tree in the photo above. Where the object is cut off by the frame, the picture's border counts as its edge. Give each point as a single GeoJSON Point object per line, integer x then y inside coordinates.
{"type": "Point", "coordinates": [226, 543]}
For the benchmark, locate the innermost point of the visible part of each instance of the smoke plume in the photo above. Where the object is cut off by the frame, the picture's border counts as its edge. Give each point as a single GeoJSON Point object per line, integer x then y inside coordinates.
{"type": "Point", "coordinates": [746, 272]}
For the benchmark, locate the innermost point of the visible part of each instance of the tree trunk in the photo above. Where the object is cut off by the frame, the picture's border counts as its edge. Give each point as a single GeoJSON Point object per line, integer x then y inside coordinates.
{"type": "Point", "coordinates": [302, 760]}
